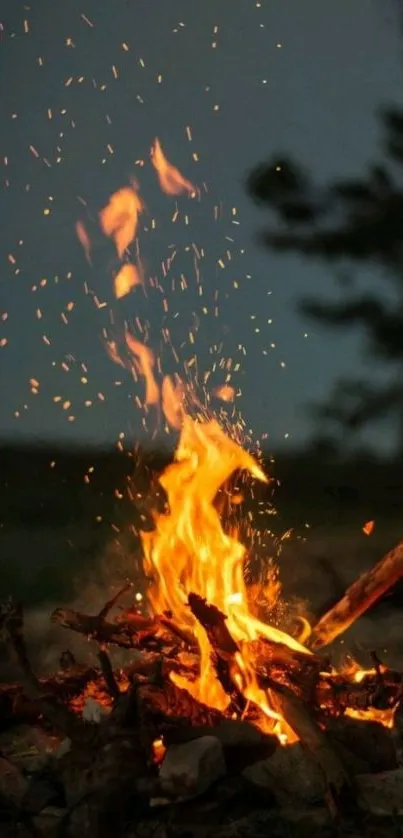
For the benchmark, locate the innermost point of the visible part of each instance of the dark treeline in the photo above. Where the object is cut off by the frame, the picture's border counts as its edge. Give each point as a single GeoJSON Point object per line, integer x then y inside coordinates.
{"type": "Point", "coordinates": [352, 225]}
{"type": "Point", "coordinates": [42, 486]}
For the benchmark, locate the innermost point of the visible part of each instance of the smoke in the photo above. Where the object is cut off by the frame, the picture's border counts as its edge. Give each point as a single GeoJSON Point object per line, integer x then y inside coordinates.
{"type": "Point", "coordinates": [46, 640]}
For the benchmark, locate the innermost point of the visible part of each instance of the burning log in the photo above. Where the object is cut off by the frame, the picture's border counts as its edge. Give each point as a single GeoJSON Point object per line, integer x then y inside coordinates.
{"type": "Point", "coordinates": [11, 625]}
{"type": "Point", "coordinates": [340, 795]}
{"type": "Point", "coordinates": [130, 631]}
{"type": "Point", "coordinates": [16, 706]}
{"type": "Point", "coordinates": [358, 598]}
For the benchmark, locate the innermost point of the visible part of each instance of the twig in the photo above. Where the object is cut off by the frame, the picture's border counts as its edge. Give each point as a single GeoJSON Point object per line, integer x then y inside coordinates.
{"type": "Point", "coordinates": [107, 672]}
{"type": "Point", "coordinates": [112, 602]}
{"type": "Point", "coordinates": [11, 624]}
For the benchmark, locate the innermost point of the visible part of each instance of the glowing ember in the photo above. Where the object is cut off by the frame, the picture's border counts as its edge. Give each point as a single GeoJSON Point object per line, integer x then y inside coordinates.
{"type": "Point", "coordinates": [225, 393]}
{"type": "Point", "coordinates": [170, 179]}
{"type": "Point", "coordinates": [159, 750]}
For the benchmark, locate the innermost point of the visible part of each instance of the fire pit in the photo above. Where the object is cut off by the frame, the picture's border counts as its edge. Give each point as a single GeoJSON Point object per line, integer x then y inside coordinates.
{"type": "Point", "coordinates": [214, 698]}
{"type": "Point", "coordinates": [239, 721]}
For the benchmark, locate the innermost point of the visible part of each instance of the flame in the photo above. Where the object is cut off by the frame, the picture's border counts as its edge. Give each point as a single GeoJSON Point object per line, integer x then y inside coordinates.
{"type": "Point", "coordinates": [383, 717]}
{"type": "Point", "coordinates": [368, 527]}
{"type": "Point", "coordinates": [171, 181]}
{"type": "Point", "coordinates": [126, 279]}
{"type": "Point", "coordinates": [84, 239]}
{"type": "Point", "coordinates": [188, 551]}
{"type": "Point", "coordinates": [145, 363]}
{"type": "Point", "coordinates": [226, 393]}
{"type": "Point", "coordinates": [158, 750]}
{"type": "Point", "coordinates": [119, 219]}
{"type": "Point", "coordinates": [172, 402]}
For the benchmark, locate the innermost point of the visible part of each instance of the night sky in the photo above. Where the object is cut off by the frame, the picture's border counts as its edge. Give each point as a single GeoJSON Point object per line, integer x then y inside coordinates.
{"type": "Point", "coordinates": [86, 86]}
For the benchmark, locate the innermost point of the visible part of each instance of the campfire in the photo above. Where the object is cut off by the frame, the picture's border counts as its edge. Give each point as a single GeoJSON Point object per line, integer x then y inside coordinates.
{"type": "Point", "coordinates": [211, 689]}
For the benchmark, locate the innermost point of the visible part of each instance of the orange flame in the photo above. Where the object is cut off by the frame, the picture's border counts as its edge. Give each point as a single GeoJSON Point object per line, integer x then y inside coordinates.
{"type": "Point", "coordinates": [145, 363]}
{"type": "Point", "coordinates": [226, 393]}
{"type": "Point", "coordinates": [171, 181]}
{"type": "Point", "coordinates": [119, 219]}
{"type": "Point", "coordinates": [172, 402]}
{"type": "Point", "coordinates": [84, 239]}
{"type": "Point", "coordinates": [126, 279]}
{"type": "Point", "coordinates": [368, 527]}
{"type": "Point", "coordinates": [189, 552]}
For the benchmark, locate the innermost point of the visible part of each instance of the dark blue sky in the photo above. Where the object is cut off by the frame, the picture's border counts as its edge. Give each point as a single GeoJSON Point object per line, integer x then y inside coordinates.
{"type": "Point", "coordinates": [298, 77]}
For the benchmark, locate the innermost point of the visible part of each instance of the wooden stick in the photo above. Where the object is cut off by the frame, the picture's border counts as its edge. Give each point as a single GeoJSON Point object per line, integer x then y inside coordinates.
{"type": "Point", "coordinates": [108, 674]}
{"type": "Point", "coordinates": [358, 598]}
{"type": "Point", "coordinates": [136, 633]}
{"type": "Point", "coordinates": [129, 630]}
{"type": "Point", "coordinates": [338, 786]}
{"type": "Point", "coordinates": [11, 623]}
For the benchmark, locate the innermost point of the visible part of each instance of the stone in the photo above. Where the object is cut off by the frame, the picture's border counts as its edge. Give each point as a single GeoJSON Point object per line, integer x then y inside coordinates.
{"type": "Point", "coordinates": [242, 742]}
{"type": "Point", "coordinates": [191, 768]}
{"type": "Point", "coordinates": [369, 741]}
{"type": "Point", "coordinates": [94, 711]}
{"type": "Point", "coordinates": [29, 748]}
{"type": "Point", "coordinates": [44, 789]}
{"type": "Point", "coordinates": [48, 822]}
{"type": "Point", "coordinates": [290, 774]}
{"type": "Point", "coordinates": [13, 784]}
{"type": "Point", "coordinates": [381, 794]}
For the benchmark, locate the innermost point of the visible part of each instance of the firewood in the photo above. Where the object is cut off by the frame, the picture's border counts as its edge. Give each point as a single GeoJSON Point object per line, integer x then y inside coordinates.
{"type": "Point", "coordinates": [334, 694]}
{"type": "Point", "coordinates": [11, 624]}
{"type": "Point", "coordinates": [108, 674]}
{"type": "Point", "coordinates": [139, 633]}
{"type": "Point", "coordinates": [129, 630]}
{"type": "Point", "coordinates": [16, 706]}
{"type": "Point", "coordinates": [340, 795]}
{"type": "Point", "coordinates": [363, 593]}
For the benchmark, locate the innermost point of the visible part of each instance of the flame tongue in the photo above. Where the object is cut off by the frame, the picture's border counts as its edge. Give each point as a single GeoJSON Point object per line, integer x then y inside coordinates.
{"type": "Point", "coordinates": [189, 552]}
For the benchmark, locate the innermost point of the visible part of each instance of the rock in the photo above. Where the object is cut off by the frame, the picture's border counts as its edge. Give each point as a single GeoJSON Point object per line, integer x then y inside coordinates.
{"type": "Point", "coordinates": [13, 784]}
{"type": "Point", "coordinates": [242, 742]}
{"type": "Point", "coordinates": [44, 790]}
{"type": "Point", "coordinates": [369, 741]}
{"type": "Point", "coordinates": [190, 769]}
{"type": "Point", "coordinates": [64, 748]}
{"type": "Point", "coordinates": [93, 711]}
{"type": "Point", "coordinates": [283, 823]}
{"type": "Point", "coordinates": [290, 774]}
{"type": "Point", "coordinates": [29, 748]}
{"type": "Point", "coordinates": [381, 794]}
{"type": "Point", "coordinates": [47, 823]}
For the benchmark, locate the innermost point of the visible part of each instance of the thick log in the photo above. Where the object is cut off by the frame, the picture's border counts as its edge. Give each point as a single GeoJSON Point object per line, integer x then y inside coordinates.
{"type": "Point", "coordinates": [17, 707]}
{"type": "Point", "coordinates": [363, 593]}
{"type": "Point", "coordinates": [338, 785]}
{"type": "Point", "coordinates": [334, 694]}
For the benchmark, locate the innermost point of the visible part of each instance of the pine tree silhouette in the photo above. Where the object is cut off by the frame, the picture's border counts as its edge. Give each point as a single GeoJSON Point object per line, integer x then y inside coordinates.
{"type": "Point", "coordinates": [360, 221]}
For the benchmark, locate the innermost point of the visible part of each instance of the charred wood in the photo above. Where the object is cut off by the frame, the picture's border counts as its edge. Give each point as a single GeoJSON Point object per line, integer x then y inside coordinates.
{"type": "Point", "coordinates": [363, 593]}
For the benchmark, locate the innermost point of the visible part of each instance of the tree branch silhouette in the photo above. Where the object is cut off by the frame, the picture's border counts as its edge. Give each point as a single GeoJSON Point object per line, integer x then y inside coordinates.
{"type": "Point", "coordinates": [359, 220]}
